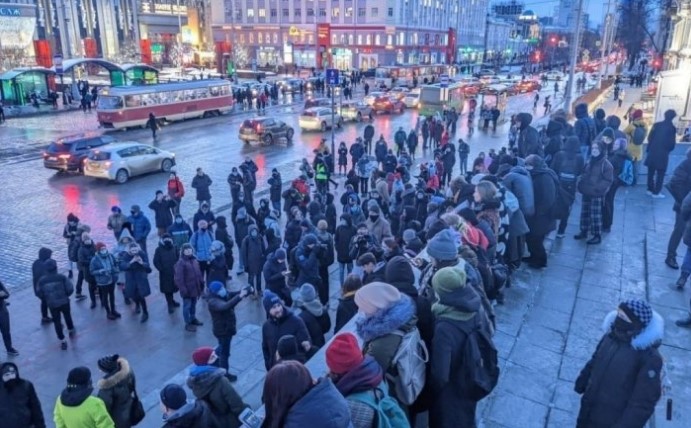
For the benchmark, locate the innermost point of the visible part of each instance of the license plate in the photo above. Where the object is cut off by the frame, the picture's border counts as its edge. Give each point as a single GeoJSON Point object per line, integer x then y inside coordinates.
{"type": "Point", "coordinates": [52, 158]}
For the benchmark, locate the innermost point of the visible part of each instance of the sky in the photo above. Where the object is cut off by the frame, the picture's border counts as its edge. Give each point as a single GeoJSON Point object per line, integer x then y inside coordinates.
{"type": "Point", "coordinates": [595, 8]}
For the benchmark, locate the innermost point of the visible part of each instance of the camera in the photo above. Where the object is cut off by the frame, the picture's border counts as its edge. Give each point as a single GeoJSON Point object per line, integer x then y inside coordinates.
{"type": "Point", "coordinates": [250, 419]}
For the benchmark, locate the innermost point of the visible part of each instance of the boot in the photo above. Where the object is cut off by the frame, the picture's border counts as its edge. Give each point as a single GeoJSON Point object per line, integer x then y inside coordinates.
{"type": "Point", "coordinates": [111, 316]}
{"type": "Point", "coordinates": [686, 322]}
{"type": "Point", "coordinates": [116, 314]}
{"type": "Point", "coordinates": [190, 327]}
{"type": "Point", "coordinates": [594, 240]}
{"type": "Point", "coordinates": [681, 282]}
{"type": "Point", "coordinates": [176, 304]}
{"type": "Point", "coordinates": [581, 235]}
{"type": "Point", "coordinates": [671, 261]}
{"type": "Point", "coordinates": [171, 309]}
{"type": "Point", "coordinates": [145, 317]}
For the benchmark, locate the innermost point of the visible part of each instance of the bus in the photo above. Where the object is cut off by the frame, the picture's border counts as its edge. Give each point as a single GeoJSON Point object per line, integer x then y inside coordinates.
{"type": "Point", "coordinates": [129, 106]}
{"type": "Point", "coordinates": [387, 76]}
{"type": "Point", "coordinates": [435, 98]}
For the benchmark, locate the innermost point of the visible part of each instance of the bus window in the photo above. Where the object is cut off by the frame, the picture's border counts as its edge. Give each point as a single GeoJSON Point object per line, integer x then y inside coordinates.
{"type": "Point", "coordinates": [215, 90]}
{"type": "Point", "coordinates": [132, 101]}
{"type": "Point", "coordinates": [189, 95]}
{"type": "Point", "coordinates": [382, 73]}
{"type": "Point", "coordinates": [105, 102]}
{"type": "Point", "coordinates": [201, 93]}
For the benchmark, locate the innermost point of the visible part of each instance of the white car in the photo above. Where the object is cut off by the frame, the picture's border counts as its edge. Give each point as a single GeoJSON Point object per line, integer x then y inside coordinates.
{"type": "Point", "coordinates": [412, 99]}
{"type": "Point", "coordinates": [369, 99]}
{"type": "Point", "coordinates": [554, 75]}
{"type": "Point", "coordinates": [120, 161]}
{"type": "Point", "coordinates": [319, 119]}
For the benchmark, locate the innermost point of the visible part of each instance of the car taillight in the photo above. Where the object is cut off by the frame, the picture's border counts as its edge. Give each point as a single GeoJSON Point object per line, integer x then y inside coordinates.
{"type": "Point", "coordinates": [107, 164]}
{"type": "Point", "coordinates": [259, 128]}
{"type": "Point", "coordinates": [45, 154]}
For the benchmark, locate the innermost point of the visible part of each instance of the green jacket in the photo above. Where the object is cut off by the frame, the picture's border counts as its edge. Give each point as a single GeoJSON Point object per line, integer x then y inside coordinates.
{"type": "Point", "coordinates": [76, 408]}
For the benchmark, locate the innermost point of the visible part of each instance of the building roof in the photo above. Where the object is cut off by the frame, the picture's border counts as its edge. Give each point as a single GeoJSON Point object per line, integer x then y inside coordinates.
{"type": "Point", "coordinates": [11, 74]}
{"type": "Point", "coordinates": [68, 64]}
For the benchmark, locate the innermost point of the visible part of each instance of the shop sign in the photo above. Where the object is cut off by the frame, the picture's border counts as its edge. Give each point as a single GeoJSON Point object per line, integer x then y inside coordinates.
{"type": "Point", "coordinates": [10, 11]}
{"type": "Point", "coordinates": [293, 31]}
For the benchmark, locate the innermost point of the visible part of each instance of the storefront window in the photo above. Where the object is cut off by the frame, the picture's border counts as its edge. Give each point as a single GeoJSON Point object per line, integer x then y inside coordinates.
{"type": "Point", "coordinates": [260, 38]}
{"type": "Point", "coordinates": [377, 39]}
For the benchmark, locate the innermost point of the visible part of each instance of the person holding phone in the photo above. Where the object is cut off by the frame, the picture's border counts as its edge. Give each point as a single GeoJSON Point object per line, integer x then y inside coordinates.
{"type": "Point", "coordinates": [222, 305]}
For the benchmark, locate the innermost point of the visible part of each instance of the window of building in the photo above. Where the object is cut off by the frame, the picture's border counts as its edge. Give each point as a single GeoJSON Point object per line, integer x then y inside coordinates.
{"type": "Point", "coordinates": [389, 39]}
{"type": "Point", "coordinates": [377, 39]}
{"type": "Point", "coordinates": [343, 40]}
{"type": "Point", "coordinates": [375, 12]}
{"type": "Point", "coordinates": [260, 38]}
{"type": "Point", "coordinates": [286, 13]}
{"type": "Point", "coordinates": [238, 14]}
{"type": "Point", "coordinates": [349, 12]}
{"type": "Point", "coordinates": [359, 39]}
{"type": "Point", "coordinates": [334, 39]}
{"type": "Point", "coordinates": [251, 38]}
{"type": "Point", "coordinates": [242, 38]}
{"type": "Point", "coordinates": [274, 13]}
{"type": "Point", "coordinates": [310, 11]}
{"type": "Point", "coordinates": [310, 38]}
{"type": "Point", "coordinates": [368, 39]}
{"type": "Point", "coordinates": [275, 38]}
{"type": "Point", "coordinates": [262, 13]}
{"type": "Point", "coordinates": [322, 11]}
{"type": "Point", "coordinates": [361, 11]}
{"type": "Point", "coordinates": [350, 39]}
{"type": "Point", "coordinates": [250, 13]}
{"type": "Point", "coordinates": [297, 12]}
{"type": "Point", "coordinates": [390, 12]}
{"type": "Point", "coordinates": [335, 12]}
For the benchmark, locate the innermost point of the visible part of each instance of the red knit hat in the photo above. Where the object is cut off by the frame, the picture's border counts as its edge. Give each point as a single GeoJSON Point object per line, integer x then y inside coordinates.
{"type": "Point", "coordinates": [100, 245]}
{"type": "Point", "coordinates": [202, 356]}
{"type": "Point", "coordinates": [343, 353]}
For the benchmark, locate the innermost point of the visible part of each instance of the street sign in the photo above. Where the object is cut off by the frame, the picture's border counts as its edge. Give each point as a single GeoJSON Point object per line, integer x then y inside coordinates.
{"type": "Point", "coordinates": [332, 76]}
{"type": "Point", "coordinates": [57, 60]}
{"type": "Point", "coordinates": [444, 80]}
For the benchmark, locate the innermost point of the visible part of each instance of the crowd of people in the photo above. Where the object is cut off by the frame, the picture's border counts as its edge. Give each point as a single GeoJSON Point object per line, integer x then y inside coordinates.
{"type": "Point", "coordinates": [424, 253]}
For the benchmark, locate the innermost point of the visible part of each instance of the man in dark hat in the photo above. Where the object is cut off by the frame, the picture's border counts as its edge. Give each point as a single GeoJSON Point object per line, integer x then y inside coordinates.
{"type": "Point", "coordinates": [661, 141]}
{"type": "Point", "coordinates": [19, 404]}
{"type": "Point", "coordinates": [280, 322]}
{"type": "Point", "coordinates": [76, 407]}
{"type": "Point", "coordinates": [178, 413]}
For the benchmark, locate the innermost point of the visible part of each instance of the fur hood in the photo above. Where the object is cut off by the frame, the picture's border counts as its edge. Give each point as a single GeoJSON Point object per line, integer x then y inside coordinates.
{"type": "Point", "coordinates": [117, 377]}
{"type": "Point", "coordinates": [386, 320]}
{"type": "Point", "coordinates": [651, 336]}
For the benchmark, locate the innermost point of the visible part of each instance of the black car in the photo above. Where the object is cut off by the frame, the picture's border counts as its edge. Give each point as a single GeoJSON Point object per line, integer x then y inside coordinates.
{"type": "Point", "coordinates": [68, 154]}
{"type": "Point", "coordinates": [265, 129]}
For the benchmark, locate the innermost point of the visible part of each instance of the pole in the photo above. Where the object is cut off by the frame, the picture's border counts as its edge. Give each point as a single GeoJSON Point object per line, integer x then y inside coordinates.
{"type": "Point", "coordinates": [575, 45]}
{"type": "Point", "coordinates": [484, 51]}
{"type": "Point", "coordinates": [604, 41]}
{"type": "Point", "coordinates": [333, 120]}
{"type": "Point", "coordinates": [66, 19]}
{"type": "Point", "coordinates": [179, 37]}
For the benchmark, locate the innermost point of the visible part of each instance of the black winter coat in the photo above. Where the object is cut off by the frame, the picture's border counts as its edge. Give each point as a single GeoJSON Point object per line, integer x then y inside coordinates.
{"type": "Point", "coordinates": [38, 268]}
{"type": "Point", "coordinates": [55, 289]}
{"type": "Point", "coordinates": [317, 327]}
{"type": "Point", "coordinates": [222, 235]}
{"type": "Point", "coordinates": [344, 234]}
{"type": "Point", "coordinates": [165, 258]}
{"type": "Point", "coordinates": [19, 405]}
{"type": "Point", "coordinates": [545, 186]}
{"type": "Point", "coordinates": [224, 322]}
{"type": "Point", "coordinates": [163, 212]}
{"type": "Point", "coordinates": [680, 184]}
{"type": "Point", "coordinates": [273, 329]}
{"type": "Point", "coordinates": [218, 270]}
{"type": "Point", "coordinates": [661, 141]}
{"type": "Point", "coordinates": [685, 213]}
{"type": "Point", "coordinates": [380, 151]}
{"type": "Point", "coordinates": [345, 311]}
{"type": "Point", "coordinates": [84, 256]}
{"type": "Point", "coordinates": [202, 184]}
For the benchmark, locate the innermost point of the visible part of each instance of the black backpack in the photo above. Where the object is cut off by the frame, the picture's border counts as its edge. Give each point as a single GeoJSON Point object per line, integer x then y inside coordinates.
{"type": "Point", "coordinates": [480, 372]}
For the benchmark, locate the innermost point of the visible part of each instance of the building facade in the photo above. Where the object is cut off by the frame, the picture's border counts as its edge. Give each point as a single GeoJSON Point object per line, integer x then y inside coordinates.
{"type": "Point", "coordinates": [344, 34]}
{"type": "Point", "coordinates": [17, 33]}
{"type": "Point", "coordinates": [472, 19]}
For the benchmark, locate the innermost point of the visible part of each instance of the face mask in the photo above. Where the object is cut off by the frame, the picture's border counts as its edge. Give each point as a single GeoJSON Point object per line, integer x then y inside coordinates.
{"type": "Point", "coordinates": [373, 217]}
{"type": "Point", "coordinates": [167, 242]}
{"type": "Point", "coordinates": [223, 292]}
{"type": "Point", "coordinates": [623, 330]}
{"type": "Point", "coordinates": [103, 252]}
{"type": "Point", "coordinates": [595, 153]}
{"type": "Point", "coordinates": [178, 220]}
{"type": "Point", "coordinates": [204, 227]}
{"type": "Point", "coordinates": [187, 253]}
{"type": "Point", "coordinates": [343, 223]}
{"type": "Point", "coordinates": [253, 233]}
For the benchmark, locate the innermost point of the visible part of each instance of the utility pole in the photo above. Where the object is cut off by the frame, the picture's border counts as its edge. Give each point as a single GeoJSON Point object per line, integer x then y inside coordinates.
{"type": "Point", "coordinates": [575, 46]}
{"type": "Point", "coordinates": [484, 51]}
{"type": "Point", "coordinates": [604, 41]}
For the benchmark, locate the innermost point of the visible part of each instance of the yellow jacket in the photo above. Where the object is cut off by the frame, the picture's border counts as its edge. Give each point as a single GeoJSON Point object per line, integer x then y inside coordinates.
{"type": "Point", "coordinates": [635, 151]}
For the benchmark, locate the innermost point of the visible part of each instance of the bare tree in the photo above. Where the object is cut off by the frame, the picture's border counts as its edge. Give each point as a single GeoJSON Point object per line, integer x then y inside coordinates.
{"type": "Point", "coordinates": [634, 21]}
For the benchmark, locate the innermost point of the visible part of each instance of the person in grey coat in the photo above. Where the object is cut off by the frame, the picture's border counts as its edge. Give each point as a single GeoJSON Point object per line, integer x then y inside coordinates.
{"type": "Point", "coordinates": [661, 141]}
{"type": "Point", "coordinates": [253, 256]}
{"type": "Point", "coordinates": [518, 181]}
{"type": "Point", "coordinates": [201, 183]}
{"type": "Point", "coordinates": [528, 137]}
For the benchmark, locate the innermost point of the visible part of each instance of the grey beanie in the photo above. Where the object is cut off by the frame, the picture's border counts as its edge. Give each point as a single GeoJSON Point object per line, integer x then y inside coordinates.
{"type": "Point", "coordinates": [408, 235]}
{"type": "Point", "coordinates": [443, 246]}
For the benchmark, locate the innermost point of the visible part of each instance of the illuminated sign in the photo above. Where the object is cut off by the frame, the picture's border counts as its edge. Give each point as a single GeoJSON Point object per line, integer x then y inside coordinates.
{"type": "Point", "coordinates": [10, 11]}
{"type": "Point", "coordinates": [293, 31]}
{"type": "Point", "coordinates": [164, 9]}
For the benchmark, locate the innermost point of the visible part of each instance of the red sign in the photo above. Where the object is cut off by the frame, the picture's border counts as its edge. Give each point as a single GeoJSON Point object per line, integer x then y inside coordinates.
{"type": "Point", "coordinates": [323, 45]}
{"type": "Point", "coordinates": [451, 46]}
{"type": "Point", "coordinates": [90, 48]}
{"type": "Point", "coordinates": [44, 58]}
{"type": "Point", "coordinates": [222, 49]}
{"type": "Point", "coordinates": [145, 49]}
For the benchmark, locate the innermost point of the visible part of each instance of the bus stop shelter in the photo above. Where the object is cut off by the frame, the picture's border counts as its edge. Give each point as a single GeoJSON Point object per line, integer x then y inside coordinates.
{"type": "Point", "coordinates": [128, 74]}
{"type": "Point", "coordinates": [17, 85]}
{"type": "Point", "coordinates": [139, 74]}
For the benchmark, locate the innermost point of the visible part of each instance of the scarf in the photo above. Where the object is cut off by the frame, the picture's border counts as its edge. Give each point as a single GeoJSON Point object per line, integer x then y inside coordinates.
{"type": "Point", "coordinates": [443, 311]}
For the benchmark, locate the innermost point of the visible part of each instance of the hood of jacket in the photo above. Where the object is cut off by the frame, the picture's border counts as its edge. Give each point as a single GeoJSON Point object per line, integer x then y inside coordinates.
{"type": "Point", "coordinates": [572, 144]}
{"type": "Point", "coordinates": [399, 273]}
{"type": "Point", "coordinates": [519, 170]}
{"type": "Point", "coordinates": [9, 364]}
{"type": "Point", "coordinates": [600, 114]}
{"type": "Point", "coordinates": [117, 377]}
{"type": "Point", "coordinates": [368, 375]}
{"type": "Point", "coordinates": [613, 122]}
{"type": "Point", "coordinates": [386, 320]}
{"type": "Point", "coordinates": [203, 379]}
{"type": "Point", "coordinates": [651, 336]}
{"type": "Point", "coordinates": [187, 415]}
{"type": "Point", "coordinates": [251, 228]}
{"type": "Point", "coordinates": [314, 208]}
{"type": "Point", "coordinates": [581, 110]}
{"type": "Point", "coordinates": [74, 397]}
{"type": "Point", "coordinates": [221, 222]}
{"type": "Point", "coordinates": [347, 218]}
{"type": "Point", "coordinates": [217, 248]}
{"type": "Point", "coordinates": [44, 254]}
{"type": "Point", "coordinates": [524, 119]}
{"type": "Point", "coordinates": [125, 234]}
{"type": "Point", "coordinates": [554, 128]}
{"type": "Point", "coordinates": [322, 406]}
{"type": "Point", "coordinates": [464, 299]}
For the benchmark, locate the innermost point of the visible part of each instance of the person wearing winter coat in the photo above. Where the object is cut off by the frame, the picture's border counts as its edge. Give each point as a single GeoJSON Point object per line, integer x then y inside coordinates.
{"type": "Point", "coordinates": [617, 157]}
{"type": "Point", "coordinates": [135, 264]}
{"type": "Point", "coordinates": [165, 257]}
{"type": "Point", "coordinates": [38, 269]}
{"type": "Point", "coordinates": [292, 399]}
{"type": "Point", "coordinates": [661, 142]}
{"type": "Point", "coordinates": [280, 321]}
{"type": "Point", "coordinates": [87, 250]}
{"type": "Point", "coordinates": [119, 251]}
{"type": "Point", "coordinates": [307, 256]}
{"type": "Point", "coordinates": [190, 281]}
{"type": "Point", "coordinates": [358, 378]}
{"type": "Point", "coordinates": [211, 384]}
{"type": "Point", "coordinates": [599, 120]}
{"type": "Point", "coordinates": [222, 235]}
{"type": "Point", "coordinates": [568, 164]}
{"type": "Point", "coordinates": [372, 270]}
{"type": "Point", "coordinates": [584, 128]}
{"type": "Point", "coordinates": [457, 314]}
{"type": "Point", "coordinates": [614, 122]}
{"type": "Point", "coordinates": [378, 226]}
{"type": "Point", "coordinates": [115, 388]}
{"type": "Point", "coordinates": [201, 241]}
{"type": "Point", "coordinates": [73, 255]}
{"type": "Point", "coordinates": [635, 151]}
{"type": "Point", "coordinates": [344, 234]}
{"type": "Point", "coordinates": [76, 407]}
{"type": "Point", "coordinates": [679, 187]}
{"type": "Point", "coordinates": [385, 312]}
{"type": "Point", "coordinates": [141, 226]}
{"type": "Point", "coordinates": [253, 256]}
{"type": "Point", "coordinates": [364, 168]}
{"type": "Point", "coordinates": [275, 190]}
{"type": "Point", "coordinates": [411, 142]}
{"type": "Point", "coordinates": [178, 413]}
{"type": "Point", "coordinates": [201, 183]}
{"type": "Point", "coordinates": [275, 271]}
{"type": "Point", "coordinates": [180, 231]}
{"type": "Point", "coordinates": [71, 232]}
{"type": "Point", "coordinates": [390, 162]}
{"type": "Point", "coordinates": [314, 315]}
{"type": "Point", "coordinates": [347, 308]}
{"type": "Point", "coordinates": [203, 213]}
{"type": "Point", "coordinates": [218, 269]}
{"type": "Point", "coordinates": [235, 183]}
{"type": "Point", "coordinates": [222, 305]}
{"type": "Point", "coordinates": [104, 268]}
{"type": "Point", "coordinates": [542, 222]}
{"type": "Point", "coordinates": [593, 184]}
{"type": "Point", "coordinates": [19, 403]}
{"type": "Point", "coordinates": [368, 136]}
{"type": "Point", "coordinates": [116, 220]}
{"type": "Point", "coordinates": [242, 225]}
{"type": "Point", "coordinates": [528, 137]}
{"type": "Point", "coordinates": [342, 158]}
{"type": "Point", "coordinates": [55, 289]}
{"type": "Point", "coordinates": [380, 150]}
{"type": "Point", "coordinates": [621, 383]}
{"type": "Point", "coordinates": [175, 191]}
{"type": "Point", "coordinates": [554, 135]}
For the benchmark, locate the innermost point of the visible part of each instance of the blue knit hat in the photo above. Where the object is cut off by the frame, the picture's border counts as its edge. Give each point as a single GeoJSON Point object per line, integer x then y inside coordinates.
{"type": "Point", "coordinates": [641, 310]}
{"type": "Point", "coordinates": [269, 300]}
{"type": "Point", "coordinates": [443, 246]}
{"type": "Point", "coordinates": [216, 286]}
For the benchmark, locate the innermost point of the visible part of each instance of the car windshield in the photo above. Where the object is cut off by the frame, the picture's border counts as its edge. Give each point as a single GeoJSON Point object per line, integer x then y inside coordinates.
{"type": "Point", "coordinates": [247, 124]}
{"type": "Point", "coordinates": [310, 113]}
{"type": "Point", "coordinates": [99, 156]}
{"type": "Point", "coordinates": [60, 146]}
{"type": "Point", "coordinates": [106, 102]}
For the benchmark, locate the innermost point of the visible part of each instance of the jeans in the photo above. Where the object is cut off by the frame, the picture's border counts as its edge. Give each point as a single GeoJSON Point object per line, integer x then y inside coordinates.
{"type": "Point", "coordinates": [80, 281]}
{"type": "Point", "coordinates": [189, 309]}
{"type": "Point", "coordinates": [677, 234]}
{"type": "Point", "coordinates": [107, 294]}
{"type": "Point", "coordinates": [224, 351]}
{"type": "Point", "coordinates": [255, 280]}
{"type": "Point", "coordinates": [463, 160]}
{"type": "Point", "coordinates": [364, 182]}
{"type": "Point", "coordinates": [5, 327]}
{"type": "Point", "coordinates": [57, 314]}
{"type": "Point", "coordinates": [204, 268]}
{"type": "Point", "coordinates": [655, 180]}
{"type": "Point", "coordinates": [92, 289]}
{"type": "Point", "coordinates": [344, 269]}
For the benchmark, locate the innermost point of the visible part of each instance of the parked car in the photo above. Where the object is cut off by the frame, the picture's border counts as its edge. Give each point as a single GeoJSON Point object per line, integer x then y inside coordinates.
{"type": "Point", "coordinates": [412, 99]}
{"type": "Point", "coordinates": [388, 104]}
{"type": "Point", "coordinates": [317, 102]}
{"type": "Point", "coordinates": [554, 75]}
{"type": "Point", "coordinates": [265, 129]}
{"type": "Point", "coordinates": [369, 99]}
{"type": "Point", "coordinates": [528, 86]}
{"type": "Point", "coordinates": [319, 119]}
{"type": "Point", "coordinates": [485, 72]}
{"type": "Point", "coordinates": [291, 86]}
{"type": "Point", "coordinates": [121, 161]}
{"type": "Point", "coordinates": [399, 92]}
{"type": "Point", "coordinates": [356, 110]}
{"type": "Point", "coordinates": [68, 154]}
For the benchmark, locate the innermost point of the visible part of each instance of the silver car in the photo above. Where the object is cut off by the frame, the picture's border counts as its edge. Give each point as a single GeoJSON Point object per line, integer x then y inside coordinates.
{"type": "Point", "coordinates": [356, 110]}
{"type": "Point", "coordinates": [319, 119]}
{"type": "Point", "coordinates": [120, 161]}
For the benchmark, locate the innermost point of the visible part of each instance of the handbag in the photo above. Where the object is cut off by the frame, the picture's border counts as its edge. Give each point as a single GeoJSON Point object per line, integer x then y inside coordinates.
{"type": "Point", "coordinates": [137, 412]}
